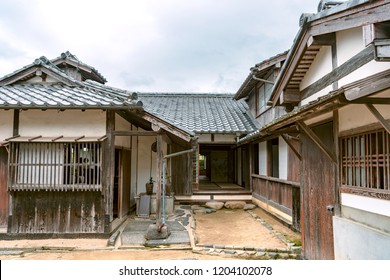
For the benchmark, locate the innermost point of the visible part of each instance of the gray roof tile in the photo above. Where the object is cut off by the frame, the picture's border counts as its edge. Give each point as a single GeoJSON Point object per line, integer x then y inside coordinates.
{"type": "Point", "coordinates": [62, 96]}
{"type": "Point", "coordinates": [200, 113]}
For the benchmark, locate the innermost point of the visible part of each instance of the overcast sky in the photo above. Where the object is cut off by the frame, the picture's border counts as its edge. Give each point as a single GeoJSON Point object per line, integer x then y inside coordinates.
{"type": "Point", "coordinates": [153, 45]}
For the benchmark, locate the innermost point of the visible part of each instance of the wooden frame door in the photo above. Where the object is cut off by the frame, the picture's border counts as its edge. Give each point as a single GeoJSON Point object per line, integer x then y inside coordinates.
{"type": "Point", "coordinates": [318, 179]}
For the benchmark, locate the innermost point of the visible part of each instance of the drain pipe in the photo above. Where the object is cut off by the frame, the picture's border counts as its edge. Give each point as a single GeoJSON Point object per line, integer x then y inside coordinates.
{"type": "Point", "coordinates": [163, 170]}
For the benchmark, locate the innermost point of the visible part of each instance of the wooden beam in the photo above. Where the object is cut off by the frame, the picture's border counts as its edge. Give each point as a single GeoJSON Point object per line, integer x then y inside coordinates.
{"type": "Point", "coordinates": [135, 133]}
{"type": "Point", "coordinates": [317, 141]}
{"type": "Point", "coordinates": [343, 70]}
{"type": "Point", "coordinates": [372, 100]}
{"type": "Point", "coordinates": [379, 117]}
{"type": "Point", "coordinates": [322, 40]}
{"type": "Point", "coordinates": [290, 96]}
{"type": "Point", "coordinates": [167, 127]}
{"type": "Point", "coordinates": [16, 122]}
{"type": "Point", "coordinates": [374, 12]}
{"type": "Point", "coordinates": [287, 140]}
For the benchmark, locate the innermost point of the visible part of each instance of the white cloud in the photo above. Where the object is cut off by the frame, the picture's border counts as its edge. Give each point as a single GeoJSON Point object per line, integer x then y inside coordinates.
{"type": "Point", "coordinates": [153, 45]}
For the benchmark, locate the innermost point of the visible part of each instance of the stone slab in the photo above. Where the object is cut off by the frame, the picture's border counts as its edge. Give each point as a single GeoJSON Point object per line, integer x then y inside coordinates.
{"type": "Point", "coordinates": [176, 237]}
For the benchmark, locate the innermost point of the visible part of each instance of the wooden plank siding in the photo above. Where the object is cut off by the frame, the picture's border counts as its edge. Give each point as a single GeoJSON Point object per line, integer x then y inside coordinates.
{"type": "Point", "coordinates": [4, 196]}
{"type": "Point", "coordinates": [182, 171]}
{"type": "Point", "coordinates": [57, 212]}
{"type": "Point", "coordinates": [280, 194]}
{"type": "Point", "coordinates": [318, 173]}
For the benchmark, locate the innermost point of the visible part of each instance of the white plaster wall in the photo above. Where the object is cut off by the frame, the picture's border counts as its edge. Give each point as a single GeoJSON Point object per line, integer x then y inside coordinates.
{"type": "Point", "coordinates": [122, 125]}
{"type": "Point", "coordinates": [145, 162]}
{"type": "Point", "coordinates": [283, 154]}
{"type": "Point", "coordinates": [321, 66]}
{"type": "Point", "coordinates": [263, 158]}
{"type": "Point", "coordinates": [349, 43]}
{"type": "Point", "coordinates": [6, 124]}
{"type": "Point", "coordinates": [369, 204]}
{"type": "Point", "coordinates": [354, 116]}
{"type": "Point", "coordinates": [224, 138]}
{"type": "Point", "coordinates": [365, 243]}
{"type": "Point", "coordinates": [67, 123]}
{"type": "Point", "coordinates": [204, 138]}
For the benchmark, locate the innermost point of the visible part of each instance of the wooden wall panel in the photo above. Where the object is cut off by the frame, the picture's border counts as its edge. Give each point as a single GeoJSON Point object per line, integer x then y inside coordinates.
{"type": "Point", "coordinates": [3, 187]}
{"type": "Point", "coordinates": [182, 171]}
{"type": "Point", "coordinates": [318, 191]}
{"type": "Point", "coordinates": [57, 212]}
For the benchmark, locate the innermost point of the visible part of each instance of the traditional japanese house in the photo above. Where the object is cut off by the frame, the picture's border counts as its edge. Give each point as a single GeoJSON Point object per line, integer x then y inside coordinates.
{"type": "Point", "coordinates": [216, 121]}
{"type": "Point", "coordinates": [335, 86]}
{"type": "Point", "coordinates": [274, 161]}
{"type": "Point", "coordinates": [76, 154]}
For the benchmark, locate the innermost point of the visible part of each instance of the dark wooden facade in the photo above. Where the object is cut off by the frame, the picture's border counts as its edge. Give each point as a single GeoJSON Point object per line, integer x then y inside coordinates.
{"type": "Point", "coordinates": [57, 212]}
{"type": "Point", "coordinates": [4, 196]}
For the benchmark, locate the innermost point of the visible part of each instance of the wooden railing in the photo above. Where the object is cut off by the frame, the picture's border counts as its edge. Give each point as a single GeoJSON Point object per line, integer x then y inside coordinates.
{"type": "Point", "coordinates": [281, 194]}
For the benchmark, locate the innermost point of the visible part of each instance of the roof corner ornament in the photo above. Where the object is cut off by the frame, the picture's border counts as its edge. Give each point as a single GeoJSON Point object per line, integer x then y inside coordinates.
{"type": "Point", "coordinates": [134, 96]}
{"type": "Point", "coordinates": [326, 4]}
{"type": "Point", "coordinates": [304, 19]}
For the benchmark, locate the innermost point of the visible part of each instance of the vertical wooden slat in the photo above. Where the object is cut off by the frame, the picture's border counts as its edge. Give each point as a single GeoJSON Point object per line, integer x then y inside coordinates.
{"type": "Point", "coordinates": [377, 160]}
{"type": "Point", "coordinates": [387, 161]}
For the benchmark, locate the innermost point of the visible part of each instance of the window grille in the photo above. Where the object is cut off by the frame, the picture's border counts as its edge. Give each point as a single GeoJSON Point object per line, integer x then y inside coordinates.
{"type": "Point", "coordinates": [55, 166]}
{"type": "Point", "coordinates": [365, 160]}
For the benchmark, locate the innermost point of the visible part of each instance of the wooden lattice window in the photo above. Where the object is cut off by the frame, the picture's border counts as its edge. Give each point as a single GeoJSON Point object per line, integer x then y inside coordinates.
{"type": "Point", "coordinates": [366, 160]}
{"type": "Point", "coordinates": [55, 166]}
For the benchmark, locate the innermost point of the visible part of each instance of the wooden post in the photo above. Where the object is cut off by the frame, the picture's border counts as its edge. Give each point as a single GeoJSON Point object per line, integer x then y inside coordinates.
{"type": "Point", "coordinates": [158, 181]}
{"type": "Point", "coordinates": [337, 206]}
{"type": "Point", "coordinates": [296, 208]}
{"type": "Point", "coordinates": [251, 166]}
{"type": "Point", "coordinates": [109, 170]}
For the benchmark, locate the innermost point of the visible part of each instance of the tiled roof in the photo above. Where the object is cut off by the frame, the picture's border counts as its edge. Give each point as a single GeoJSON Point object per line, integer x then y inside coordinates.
{"type": "Point", "coordinates": [200, 113]}
{"type": "Point", "coordinates": [43, 63]}
{"type": "Point", "coordinates": [88, 70]}
{"type": "Point", "coordinates": [46, 96]}
{"type": "Point", "coordinates": [67, 93]}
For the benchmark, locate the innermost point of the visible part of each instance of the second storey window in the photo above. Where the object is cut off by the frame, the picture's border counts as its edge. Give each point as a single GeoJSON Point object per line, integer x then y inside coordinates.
{"type": "Point", "coordinates": [264, 95]}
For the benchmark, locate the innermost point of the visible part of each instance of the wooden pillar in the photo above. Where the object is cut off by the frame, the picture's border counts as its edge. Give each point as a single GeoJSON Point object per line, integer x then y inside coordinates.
{"type": "Point", "coordinates": [337, 207]}
{"type": "Point", "coordinates": [251, 157]}
{"type": "Point", "coordinates": [158, 181]}
{"type": "Point", "coordinates": [296, 208]}
{"type": "Point", "coordinates": [15, 132]}
{"type": "Point", "coordinates": [109, 170]}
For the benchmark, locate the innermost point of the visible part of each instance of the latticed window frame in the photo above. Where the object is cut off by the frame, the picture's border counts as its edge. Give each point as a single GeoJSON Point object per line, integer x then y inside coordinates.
{"type": "Point", "coordinates": [365, 160]}
{"type": "Point", "coordinates": [59, 166]}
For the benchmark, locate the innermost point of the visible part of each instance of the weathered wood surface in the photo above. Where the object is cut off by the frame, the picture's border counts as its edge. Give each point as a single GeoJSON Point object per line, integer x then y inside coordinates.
{"type": "Point", "coordinates": [182, 171]}
{"type": "Point", "coordinates": [281, 194]}
{"type": "Point", "coordinates": [318, 191]}
{"type": "Point", "coordinates": [57, 212]}
{"type": "Point", "coordinates": [3, 187]}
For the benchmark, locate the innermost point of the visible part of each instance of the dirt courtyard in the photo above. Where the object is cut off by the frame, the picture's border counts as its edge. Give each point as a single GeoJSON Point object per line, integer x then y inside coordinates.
{"type": "Point", "coordinates": [228, 227]}
{"type": "Point", "coordinates": [239, 228]}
